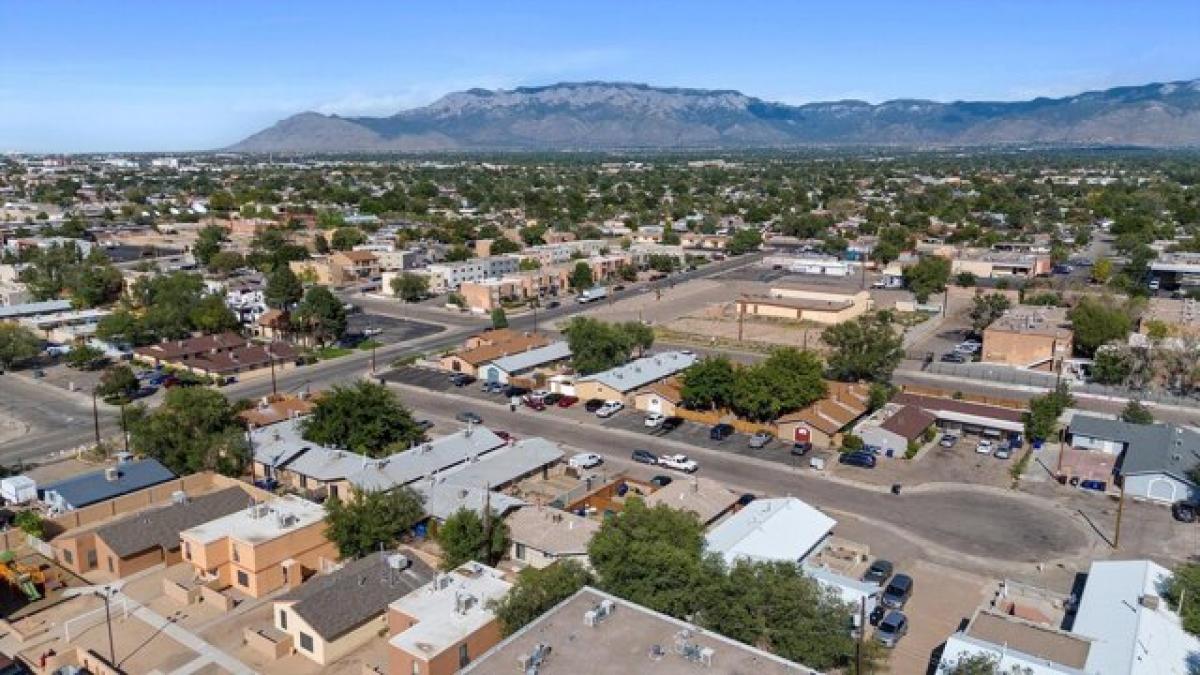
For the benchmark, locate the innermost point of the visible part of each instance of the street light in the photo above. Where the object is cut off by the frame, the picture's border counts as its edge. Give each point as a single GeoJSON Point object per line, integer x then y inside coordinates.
{"type": "Point", "coordinates": [105, 592]}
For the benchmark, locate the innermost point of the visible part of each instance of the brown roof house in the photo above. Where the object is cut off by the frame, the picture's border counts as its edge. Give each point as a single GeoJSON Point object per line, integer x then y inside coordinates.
{"type": "Point", "coordinates": [470, 359]}
{"type": "Point", "coordinates": [219, 355]}
{"type": "Point", "coordinates": [660, 397]}
{"type": "Point", "coordinates": [820, 422]}
{"type": "Point", "coordinates": [706, 498]}
{"type": "Point", "coordinates": [893, 427]}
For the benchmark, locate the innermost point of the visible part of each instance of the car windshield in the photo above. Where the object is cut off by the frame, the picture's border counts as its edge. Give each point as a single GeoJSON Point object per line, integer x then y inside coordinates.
{"type": "Point", "coordinates": [890, 625]}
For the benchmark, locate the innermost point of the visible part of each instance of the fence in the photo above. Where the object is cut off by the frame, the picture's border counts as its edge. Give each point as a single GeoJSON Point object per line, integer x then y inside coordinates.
{"type": "Point", "coordinates": [1029, 378]}
{"type": "Point", "coordinates": [87, 620]}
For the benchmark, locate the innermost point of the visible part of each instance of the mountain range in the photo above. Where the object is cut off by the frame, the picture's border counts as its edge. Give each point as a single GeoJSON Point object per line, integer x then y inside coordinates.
{"type": "Point", "coordinates": [618, 115]}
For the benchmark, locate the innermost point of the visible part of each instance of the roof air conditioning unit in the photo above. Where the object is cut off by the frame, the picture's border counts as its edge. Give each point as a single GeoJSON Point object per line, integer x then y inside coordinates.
{"type": "Point", "coordinates": [112, 474]}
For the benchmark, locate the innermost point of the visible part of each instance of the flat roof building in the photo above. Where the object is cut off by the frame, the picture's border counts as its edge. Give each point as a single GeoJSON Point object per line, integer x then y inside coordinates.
{"type": "Point", "coordinates": [97, 486]}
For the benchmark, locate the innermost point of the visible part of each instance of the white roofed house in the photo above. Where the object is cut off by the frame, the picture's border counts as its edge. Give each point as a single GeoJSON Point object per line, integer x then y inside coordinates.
{"type": "Point", "coordinates": [616, 384]}
{"type": "Point", "coordinates": [522, 365]}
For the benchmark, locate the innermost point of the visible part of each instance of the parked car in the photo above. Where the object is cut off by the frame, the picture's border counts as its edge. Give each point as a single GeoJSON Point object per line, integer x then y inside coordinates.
{"type": "Point", "coordinates": [513, 391]}
{"type": "Point", "coordinates": [609, 409]}
{"type": "Point", "coordinates": [567, 401]}
{"type": "Point", "coordinates": [893, 627]}
{"type": "Point", "coordinates": [461, 379]}
{"type": "Point", "coordinates": [1184, 512]}
{"type": "Point", "coordinates": [645, 457]}
{"type": "Point", "coordinates": [424, 425]}
{"type": "Point", "coordinates": [968, 346]}
{"type": "Point", "coordinates": [984, 447]}
{"type": "Point", "coordinates": [661, 481]}
{"type": "Point", "coordinates": [879, 572]}
{"type": "Point", "coordinates": [948, 441]}
{"type": "Point", "coordinates": [801, 449]}
{"type": "Point", "coordinates": [679, 463]}
{"type": "Point", "coordinates": [504, 434]}
{"type": "Point", "coordinates": [953, 357]}
{"type": "Point", "coordinates": [1002, 452]}
{"type": "Point", "coordinates": [877, 615]}
{"type": "Point", "coordinates": [720, 432]}
{"type": "Point", "coordinates": [492, 387]}
{"type": "Point", "coordinates": [469, 417]}
{"type": "Point", "coordinates": [670, 424]}
{"type": "Point", "coordinates": [898, 591]}
{"type": "Point", "coordinates": [760, 439]}
{"type": "Point", "coordinates": [594, 404]}
{"type": "Point", "coordinates": [533, 403]}
{"type": "Point", "coordinates": [552, 398]}
{"type": "Point", "coordinates": [858, 458]}
{"type": "Point", "coordinates": [585, 460]}
{"type": "Point", "coordinates": [654, 419]}
{"type": "Point", "coordinates": [552, 304]}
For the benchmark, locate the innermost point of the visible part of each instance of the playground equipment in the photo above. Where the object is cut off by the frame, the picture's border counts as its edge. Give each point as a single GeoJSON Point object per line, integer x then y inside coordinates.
{"type": "Point", "coordinates": [24, 577]}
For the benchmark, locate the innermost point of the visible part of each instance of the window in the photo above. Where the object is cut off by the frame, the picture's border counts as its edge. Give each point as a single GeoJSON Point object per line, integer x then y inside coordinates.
{"type": "Point", "coordinates": [520, 552]}
{"type": "Point", "coordinates": [236, 557]}
{"type": "Point", "coordinates": [91, 560]}
{"type": "Point", "coordinates": [306, 642]}
{"type": "Point", "coordinates": [110, 565]}
{"type": "Point", "coordinates": [68, 557]}
{"type": "Point", "coordinates": [243, 579]}
{"type": "Point", "coordinates": [282, 620]}
{"type": "Point", "coordinates": [463, 657]}
{"type": "Point", "coordinates": [416, 668]}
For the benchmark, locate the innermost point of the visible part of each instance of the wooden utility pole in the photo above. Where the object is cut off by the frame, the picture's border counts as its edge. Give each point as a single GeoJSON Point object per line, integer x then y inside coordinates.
{"type": "Point", "coordinates": [95, 417]}
{"type": "Point", "coordinates": [741, 318]}
{"type": "Point", "coordinates": [1061, 449]}
{"type": "Point", "coordinates": [1120, 512]}
{"type": "Point", "coordinates": [862, 633]}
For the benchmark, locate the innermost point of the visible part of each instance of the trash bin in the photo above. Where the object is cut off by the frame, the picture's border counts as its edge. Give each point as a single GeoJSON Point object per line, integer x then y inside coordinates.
{"type": "Point", "coordinates": [895, 488]}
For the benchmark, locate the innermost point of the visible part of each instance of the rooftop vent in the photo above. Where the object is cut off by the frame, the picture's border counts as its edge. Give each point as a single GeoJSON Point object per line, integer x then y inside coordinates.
{"type": "Point", "coordinates": [112, 474]}
{"type": "Point", "coordinates": [599, 613]}
{"type": "Point", "coordinates": [532, 661]}
{"type": "Point", "coordinates": [179, 497]}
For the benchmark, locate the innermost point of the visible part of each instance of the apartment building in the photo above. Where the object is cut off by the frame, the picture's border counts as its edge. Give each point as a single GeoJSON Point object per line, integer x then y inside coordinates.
{"type": "Point", "coordinates": [448, 276]}
{"type": "Point", "coordinates": [261, 548]}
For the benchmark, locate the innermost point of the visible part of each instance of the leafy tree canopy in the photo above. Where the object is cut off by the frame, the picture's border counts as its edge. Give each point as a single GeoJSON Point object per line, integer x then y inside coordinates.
{"type": "Point", "coordinates": [1097, 321]}
{"type": "Point", "coordinates": [17, 344]}
{"type": "Point", "coordinates": [465, 537]}
{"type": "Point", "coordinates": [410, 287]}
{"type": "Point", "coordinates": [867, 348]}
{"type": "Point", "coordinates": [193, 430]}
{"type": "Point", "coordinates": [538, 590]}
{"type": "Point", "coordinates": [364, 417]}
{"type": "Point", "coordinates": [321, 315]}
{"type": "Point", "coordinates": [927, 277]}
{"type": "Point", "coordinates": [369, 520]}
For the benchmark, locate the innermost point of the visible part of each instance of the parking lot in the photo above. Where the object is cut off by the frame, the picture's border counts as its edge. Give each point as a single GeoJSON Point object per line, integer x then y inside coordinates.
{"type": "Point", "coordinates": [959, 463]}
{"type": "Point", "coordinates": [393, 329]}
{"type": "Point", "coordinates": [628, 419]}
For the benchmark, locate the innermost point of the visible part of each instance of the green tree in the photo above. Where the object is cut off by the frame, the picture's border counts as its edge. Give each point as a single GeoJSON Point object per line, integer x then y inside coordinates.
{"type": "Point", "coordinates": [503, 245]}
{"type": "Point", "coordinates": [1184, 587]}
{"type": "Point", "coordinates": [94, 281]}
{"type": "Point", "coordinates": [30, 523]}
{"type": "Point", "coordinates": [321, 315]}
{"type": "Point", "coordinates": [1042, 419]}
{"type": "Point", "coordinates": [284, 289]}
{"type": "Point", "coordinates": [867, 348]}
{"type": "Point", "coordinates": [410, 287]}
{"type": "Point", "coordinates": [966, 279]}
{"type": "Point", "coordinates": [538, 590]}
{"type": "Point", "coordinates": [651, 556]}
{"type": "Point", "coordinates": [1096, 322]}
{"type": "Point", "coordinates": [465, 537]}
{"type": "Point", "coordinates": [225, 262]}
{"type": "Point", "coordinates": [208, 243]}
{"type": "Point", "coordinates": [118, 383]}
{"type": "Point", "coordinates": [986, 308]}
{"type": "Point", "coordinates": [212, 315]}
{"type": "Point", "coordinates": [528, 264]}
{"type": "Point", "coordinates": [329, 220]}
{"type": "Point", "coordinates": [627, 273]}
{"type": "Point", "coordinates": [1136, 413]}
{"type": "Point", "coordinates": [84, 357]}
{"type": "Point", "coordinates": [346, 238]}
{"type": "Point", "coordinates": [1112, 365]}
{"type": "Point", "coordinates": [709, 383]}
{"type": "Point", "coordinates": [1102, 271]}
{"type": "Point", "coordinates": [123, 327]}
{"type": "Point", "coordinates": [458, 253]}
{"type": "Point", "coordinates": [795, 376]}
{"type": "Point", "coordinates": [364, 417]}
{"type": "Point", "coordinates": [17, 344]}
{"type": "Point", "coordinates": [581, 277]}
{"type": "Point", "coordinates": [499, 318]}
{"type": "Point", "coordinates": [927, 277]}
{"type": "Point", "coordinates": [370, 520]}
{"type": "Point", "coordinates": [744, 241]}
{"type": "Point", "coordinates": [222, 201]}
{"type": "Point", "coordinates": [193, 430]}
{"type": "Point", "coordinates": [754, 396]}
{"type": "Point", "coordinates": [973, 664]}
{"type": "Point", "coordinates": [596, 345]}
{"type": "Point", "coordinates": [320, 243]}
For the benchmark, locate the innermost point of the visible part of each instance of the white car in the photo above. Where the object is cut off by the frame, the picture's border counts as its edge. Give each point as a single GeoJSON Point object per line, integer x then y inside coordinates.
{"type": "Point", "coordinates": [679, 463]}
{"type": "Point", "coordinates": [539, 394]}
{"type": "Point", "coordinates": [609, 409]}
{"type": "Point", "coordinates": [585, 460]}
{"type": "Point", "coordinates": [879, 283]}
{"type": "Point", "coordinates": [984, 447]}
{"type": "Point", "coordinates": [653, 420]}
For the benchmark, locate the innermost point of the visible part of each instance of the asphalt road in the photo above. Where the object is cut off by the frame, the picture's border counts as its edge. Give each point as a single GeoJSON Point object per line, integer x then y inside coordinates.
{"type": "Point", "coordinates": [991, 526]}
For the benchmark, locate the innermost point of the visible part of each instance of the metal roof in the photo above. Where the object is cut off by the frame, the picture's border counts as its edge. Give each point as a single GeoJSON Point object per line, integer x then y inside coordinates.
{"type": "Point", "coordinates": [555, 351]}
{"type": "Point", "coordinates": [34, 308]}
{"type": "Point", "coordinates": [465, 485]}
{"type": "Point", "coordinates": [783, 529]}
{"type": "Point", "coordinates": [643, 371]}
{"type": "Point", "coordinates": [89, 488]}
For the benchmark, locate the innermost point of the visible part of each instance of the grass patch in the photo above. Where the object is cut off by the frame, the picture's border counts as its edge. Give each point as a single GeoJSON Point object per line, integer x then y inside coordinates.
{"type": "Point", "coordinates": [405, 361]}
{"type": "Point", "coordinates": [368, 345]}
{"type": "Point", "coordinates": [326, 353]}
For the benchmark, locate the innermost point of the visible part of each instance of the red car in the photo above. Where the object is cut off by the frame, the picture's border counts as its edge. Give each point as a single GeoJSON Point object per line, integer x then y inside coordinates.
{"type": "Point", "coordinates": [508, 438]}
{"type": "Point", "coordinates": [567, 401]}
{"type": "Point", "coordinates": [534, 403]}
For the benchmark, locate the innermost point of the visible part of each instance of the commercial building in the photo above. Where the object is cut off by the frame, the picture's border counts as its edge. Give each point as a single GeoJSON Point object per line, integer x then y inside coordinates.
{"type": "Point", "coordinates": [67, 327]}
{"type": "Point", "coordinates": [960, 416]}
{"type": "Point", "coordinates": [449, 276]}
{"type": "Point", "coordinates": [440, 628]}
{"type": "Point", "coordinates": [487, 294]}
{"type": "Point", "coordinates": [542, 536]}
{"type": "Point", "coordinates": [1000, 264]}
{"type": "Point", "coordinates": [143, 539]}
{"type": "Point", "coordinates": [618, 383]}
{"type": "Point", "coordinates": [600, 634]}
{"type": "Point", "coordinates": [827, 266]}
{"type": "Point", "coordinates": [261, 548]}
{"type": "Point", "coordinates": [1037, 338]}
{"type": "Point", "coordinates": [33, 309]}
{"type": "Point", "coordinates": [799, 304]}
{"type": "Point", "coordinates": [1123, 626]}
{"type": "Point", "coordinates": [97, 486]}
{"type": "Point", "coordinates": [332, 615]}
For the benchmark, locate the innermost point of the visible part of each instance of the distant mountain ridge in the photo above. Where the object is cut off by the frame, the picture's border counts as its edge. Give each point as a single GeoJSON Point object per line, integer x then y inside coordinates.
{"type": "Point", "coordinates": [621, 115]}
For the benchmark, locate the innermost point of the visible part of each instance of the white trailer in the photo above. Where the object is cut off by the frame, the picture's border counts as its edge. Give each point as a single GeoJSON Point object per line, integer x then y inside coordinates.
{"type": "Point", "coordinates": [18, 489]}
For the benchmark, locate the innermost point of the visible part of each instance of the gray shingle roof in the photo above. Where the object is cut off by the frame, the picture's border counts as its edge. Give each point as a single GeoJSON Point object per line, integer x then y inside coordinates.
{"type": "Point", "coordinates": [335, 604]}
{"type": "Point", "coordinates": [555, 351]}
{"type": "Point", "coordinates": [1149, 448]}
{"type": "Point", "coordinates": [90, 488]}
{"type": "Point", "coordinates": [161, 526]}
{"type": "Point", "coordinates": [643, 371]}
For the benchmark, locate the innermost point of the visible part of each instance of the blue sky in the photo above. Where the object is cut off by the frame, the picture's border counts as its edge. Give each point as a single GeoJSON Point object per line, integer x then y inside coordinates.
{"type": "Point", "coordinates": [130, 75]}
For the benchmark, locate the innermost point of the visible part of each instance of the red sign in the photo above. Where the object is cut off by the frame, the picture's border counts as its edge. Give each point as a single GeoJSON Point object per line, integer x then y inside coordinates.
{"type": "Point", "coordinates": [801, 434]}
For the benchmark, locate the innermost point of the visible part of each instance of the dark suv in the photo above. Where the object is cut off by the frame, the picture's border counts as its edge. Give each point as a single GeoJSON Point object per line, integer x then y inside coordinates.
{"type": "Point", "coordinates": [860, 458]}
{"type": "Point", "coordinates": [645, 457]}
{"type": "Point", "coordinates": [594, 404]}
{"type": "Point", "coordinates": [720, 432]}
{"type": "Point", "coordinates": [898, 591]}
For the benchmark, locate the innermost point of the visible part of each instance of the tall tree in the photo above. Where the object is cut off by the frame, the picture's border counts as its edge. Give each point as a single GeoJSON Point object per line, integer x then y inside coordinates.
{"type": "Point", "coordinates": [581, 276]}
{"type": "Point", "coordinates": [346, 238]}
{"type": "Point", "coordinates": [465, 537]}
{"type": "Point", "coordinates": [986, 308]}
{"type": "Point", "coordinates": [410, 287]}
{"type": "Point", "coordinates": [193, 430]}
{"type": "Point", "coordinates": [117, 383]}
{"type": "Point", "coordinates": [321, 315]}
{"type": "Point", "coordinates": [538, 590]}
{"type": "Point", "coordinates": [17, 344]}
{"type": "Point", "coordinates": [709, 383]}
{"type": "Point", "coordinates": [1136, 413]}
{"type": "Point", "coordinates": [208, 243]}
{"type": "Point", "coordinates": [284, 288]}
{"type": "Point", "coordinates": [499, 318]}
{"type": "Point", "coordinates": [1097, 322]}
{"type": "Point", "coordinates": [927, 276]}
{"type": "Point", "coordinates": [364, 417]}
{"type": "Point", "coordinates": [368, 520]}
{"type": "Point", "coordinates": [867, 348]}
{"type": "Point", "coordinates": [212, 315]}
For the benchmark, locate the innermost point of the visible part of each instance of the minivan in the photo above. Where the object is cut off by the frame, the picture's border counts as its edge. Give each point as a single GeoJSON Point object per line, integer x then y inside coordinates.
{"type": "Point", "coordinates": [898, 591]}
{"type": "Point", "coordinates": [720, 432]}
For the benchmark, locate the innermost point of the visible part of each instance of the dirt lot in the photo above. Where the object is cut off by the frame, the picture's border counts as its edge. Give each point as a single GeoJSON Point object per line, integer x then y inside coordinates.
{"type": "Point", "coordinates": [941, 600]}
{"type": "Point", "coordinates": [957, 464]}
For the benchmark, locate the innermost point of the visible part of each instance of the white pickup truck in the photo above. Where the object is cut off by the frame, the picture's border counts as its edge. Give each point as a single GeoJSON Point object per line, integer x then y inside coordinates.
{"type": "Point", "coordinates": [592, 294]}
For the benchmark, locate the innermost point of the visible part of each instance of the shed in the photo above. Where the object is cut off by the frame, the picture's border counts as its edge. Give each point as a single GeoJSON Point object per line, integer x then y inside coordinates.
{"type": "Point", "coordinates": [18, 489]}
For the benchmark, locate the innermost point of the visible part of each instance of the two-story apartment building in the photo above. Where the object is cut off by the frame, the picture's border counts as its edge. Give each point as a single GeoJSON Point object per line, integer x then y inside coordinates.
{"type": "Point", "coordinates": [448, 276]}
